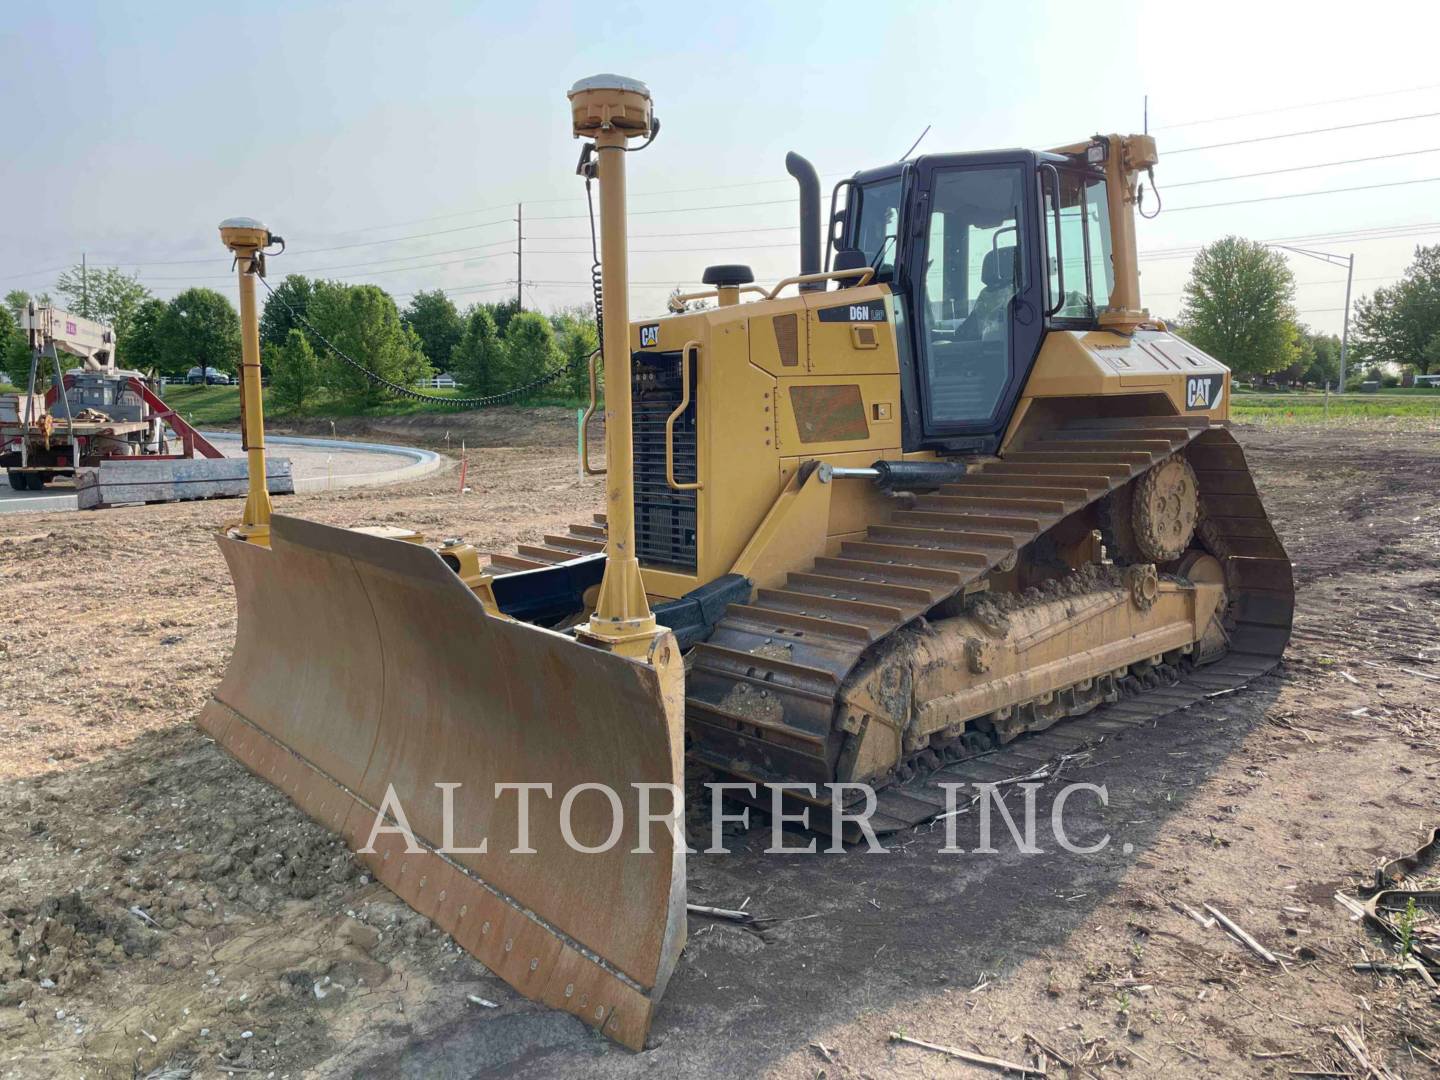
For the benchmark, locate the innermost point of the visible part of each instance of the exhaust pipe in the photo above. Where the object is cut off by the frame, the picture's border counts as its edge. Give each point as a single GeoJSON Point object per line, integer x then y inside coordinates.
{"type": "Point", "coordinates": [809, 181]}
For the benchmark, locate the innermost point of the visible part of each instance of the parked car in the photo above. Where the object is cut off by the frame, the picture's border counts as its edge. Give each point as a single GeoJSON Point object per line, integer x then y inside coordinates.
{"type": "Point", "coordinates": [209, 376]}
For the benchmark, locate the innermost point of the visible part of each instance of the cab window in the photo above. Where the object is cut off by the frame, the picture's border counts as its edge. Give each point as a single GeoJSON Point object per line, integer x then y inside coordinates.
{"type": "Point", "coordinates": [1078, 235]}
{"type": "Point", "coordinates": [876, 231]}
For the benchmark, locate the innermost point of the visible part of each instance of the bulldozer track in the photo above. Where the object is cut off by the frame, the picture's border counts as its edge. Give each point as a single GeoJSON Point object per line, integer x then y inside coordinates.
{"type": "Point", "coordinates": [793, 647]}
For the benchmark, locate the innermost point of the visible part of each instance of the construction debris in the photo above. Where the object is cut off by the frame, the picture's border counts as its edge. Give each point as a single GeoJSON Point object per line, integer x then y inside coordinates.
{"type": "Point", "coordinates": [1355, 1046]}
{"type": "Point", "coordinates": [1244, 938]}
{"type": "Point", "coordinates": [746, 918]}
{"type": "Point", "coordinates": [966, 1055]}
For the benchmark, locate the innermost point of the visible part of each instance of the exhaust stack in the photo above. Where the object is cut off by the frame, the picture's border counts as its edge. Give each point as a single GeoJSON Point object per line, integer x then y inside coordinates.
{"type": "Point", "coordinates": [809, 182]}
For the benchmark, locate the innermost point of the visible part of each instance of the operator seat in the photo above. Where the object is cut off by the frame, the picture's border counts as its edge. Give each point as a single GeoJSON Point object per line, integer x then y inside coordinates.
{"type": "Point", "coordinates": [992, 306]}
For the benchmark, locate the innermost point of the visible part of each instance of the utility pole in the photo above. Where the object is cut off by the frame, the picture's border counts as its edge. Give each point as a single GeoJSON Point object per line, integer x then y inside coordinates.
{"type": "Point", "coordinates": [519, 255]}
{"type": "Point", "coordinates": [1347, 261]}
{"type": "Point", "coordinates": [84, 287]}
{"type": "Point", "coordinates": [1345, 331]}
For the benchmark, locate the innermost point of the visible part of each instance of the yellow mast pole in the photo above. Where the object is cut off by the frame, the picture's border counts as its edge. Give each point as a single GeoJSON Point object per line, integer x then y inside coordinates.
{"type": "Point", "coordinates": [247, 238]}
{"type": "Point", "coordinates": [612, 109]}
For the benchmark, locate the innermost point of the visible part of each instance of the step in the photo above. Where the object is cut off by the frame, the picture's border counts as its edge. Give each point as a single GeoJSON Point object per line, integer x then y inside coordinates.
{"type": "Point", "coordinates": [909, 555]}
{"type": "Point", "coordinates": [858, 589]}
{"type": "Point", "coordinates": [940, 582]}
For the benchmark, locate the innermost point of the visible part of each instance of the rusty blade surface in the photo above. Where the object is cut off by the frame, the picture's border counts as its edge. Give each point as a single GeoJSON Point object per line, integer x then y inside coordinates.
{"type": "Point", "coordinates": [363, 665]}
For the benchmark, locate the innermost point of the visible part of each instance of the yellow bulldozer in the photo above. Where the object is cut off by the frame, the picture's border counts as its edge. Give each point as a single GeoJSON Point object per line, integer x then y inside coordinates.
{"type": "Point", "coordinates": [950, 487]}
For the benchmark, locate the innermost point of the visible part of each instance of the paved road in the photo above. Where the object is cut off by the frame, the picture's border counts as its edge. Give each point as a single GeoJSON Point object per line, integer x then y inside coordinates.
{"type": "Point", "coordinates": [316, 464]}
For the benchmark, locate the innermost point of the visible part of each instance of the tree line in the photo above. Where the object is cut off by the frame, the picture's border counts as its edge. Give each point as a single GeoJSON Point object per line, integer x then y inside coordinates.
{"type": "Point", "coordinates": [1239, 305]}
{"type": "Point", "coordinates": [488, 348]}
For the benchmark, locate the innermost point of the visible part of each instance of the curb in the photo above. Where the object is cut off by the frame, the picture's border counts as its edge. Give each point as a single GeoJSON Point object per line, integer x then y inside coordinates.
{"type": "Point", "coordinates": [422, 462]}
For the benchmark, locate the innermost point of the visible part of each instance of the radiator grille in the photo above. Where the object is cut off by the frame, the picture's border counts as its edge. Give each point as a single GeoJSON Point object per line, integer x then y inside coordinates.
{"type": "Point", "coordinates": [664, 518]}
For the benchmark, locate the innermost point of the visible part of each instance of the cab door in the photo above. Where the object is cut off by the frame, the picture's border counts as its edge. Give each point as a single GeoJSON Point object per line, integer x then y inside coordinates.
{"type": "Point", "coordinates": [972, 270]}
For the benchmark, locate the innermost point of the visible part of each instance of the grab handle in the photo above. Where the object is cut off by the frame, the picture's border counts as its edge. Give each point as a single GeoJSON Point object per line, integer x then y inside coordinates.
{"type": "Point", "coordinates": [670, 423]}
{"type": "Point", "coordinates": [585, 421]}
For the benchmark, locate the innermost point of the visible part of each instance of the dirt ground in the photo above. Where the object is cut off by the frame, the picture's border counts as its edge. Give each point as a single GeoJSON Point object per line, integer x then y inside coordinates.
{"type": "Point", "coordinates": [164, 913]}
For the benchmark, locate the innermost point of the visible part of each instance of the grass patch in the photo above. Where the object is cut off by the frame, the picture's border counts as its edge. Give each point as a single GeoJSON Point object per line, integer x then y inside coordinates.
{"type": "Point", "coordinates": [1310, 408]}
{"type": "Point", "coordinates": [203, 405]}
{"type": "Point", "coordinates": [1310, 391]}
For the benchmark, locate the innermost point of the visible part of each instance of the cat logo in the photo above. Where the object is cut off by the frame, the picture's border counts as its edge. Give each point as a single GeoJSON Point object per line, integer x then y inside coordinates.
{"type": "Point", "coordinates": [649, 335]}
{"type": "Point", "coordinates": [1203, 391]}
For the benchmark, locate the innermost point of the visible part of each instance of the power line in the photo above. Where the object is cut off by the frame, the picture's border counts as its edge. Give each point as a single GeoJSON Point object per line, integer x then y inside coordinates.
{"type": "Point", "coordinates": [1297, 134]}
{"type": "Point", "coordinates": [660, 251]}
{"type": "Point", "coordinates": [415, 236]}
{"type": "Point", "coordinates": [1373, 232]}
{"type": "Point", "coordinates": [1298, 284]}
{"type": "Point", "coordinates": [670, 236]}
{"type": "Point", "coordinates": [676, 209]}
{"type": "Point", "coordinates": [1302, 194]}
{"type": "Point", "coordinates": [1292, 108]}
{"type": "Point", "coordinates": [1301, 168]}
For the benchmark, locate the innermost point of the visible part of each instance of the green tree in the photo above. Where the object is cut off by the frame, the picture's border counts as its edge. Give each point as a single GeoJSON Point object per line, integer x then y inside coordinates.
{"type": "Point", "coordinates": [140, 348]}
{"type": "Point", "coordinates": [502, 312]}
{"type": "Point", "coordinates": [199, 329]}
{"type": "Point", "coordinates": [108, 296]}
{"type": "Point", "coordinates": [276, 321]}
{"type": "Point", "coordinates": [363, 323]}
{"type": "Point", "coordinates": [575, 332]}
{"type": "Point", "coordinates": [1322, 358]}
{"type": "Point", "coordinates": [1395, 324]}
{"type": "Point", "coordinates": [14, 349]}
{"type": "Point", "coordinates": [478, 359]}
{"type": "Point", "coordinates": [295, 378]}
{"type": "Point", "coordinates": [433, 317]}
{"type": "Point", "coordinates": [16, 301]}
{"type": "Point", "coordinates": [1431, 355]}
{"type": "Point", "coordinates": [1240, 306]}
{"type": "Point", "coordinates": [530, 349]}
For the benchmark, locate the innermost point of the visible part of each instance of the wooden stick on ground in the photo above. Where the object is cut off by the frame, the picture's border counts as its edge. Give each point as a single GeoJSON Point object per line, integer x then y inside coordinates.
{"type": "Point", "coordinates": [1065, 1062]}
{"type": "Point", "coordinates": [1244, 938]}
{"type": "Point", "coordinates": [1186, 909]}
{"type": "Point", "coordinates": [965, 1055]}
{"type": "Point", "coordinates": [721, 913]}
{"type": "Point", "coordinates": [1355, 1047]}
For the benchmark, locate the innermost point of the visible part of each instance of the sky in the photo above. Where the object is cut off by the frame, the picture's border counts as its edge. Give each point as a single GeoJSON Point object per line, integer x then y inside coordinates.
{"type": "Point", "coordinates": [390, 143]}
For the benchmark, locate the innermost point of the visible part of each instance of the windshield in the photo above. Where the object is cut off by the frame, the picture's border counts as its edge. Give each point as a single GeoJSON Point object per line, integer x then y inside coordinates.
{"type": "Point", "coordinates": [875, 232]}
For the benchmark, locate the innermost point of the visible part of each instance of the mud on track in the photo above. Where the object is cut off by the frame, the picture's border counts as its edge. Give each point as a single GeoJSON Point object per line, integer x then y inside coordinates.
{"type": "Point", "coordinates": [254, 920]}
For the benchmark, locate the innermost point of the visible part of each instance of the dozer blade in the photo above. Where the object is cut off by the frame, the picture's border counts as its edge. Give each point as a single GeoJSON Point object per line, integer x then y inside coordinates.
{"type": "Point", "coordinates": [363, 663]}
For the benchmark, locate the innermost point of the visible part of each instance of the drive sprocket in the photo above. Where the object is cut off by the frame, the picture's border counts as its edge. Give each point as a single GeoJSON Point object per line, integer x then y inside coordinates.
{"type": "Point", "coordinates": [1152, 518]}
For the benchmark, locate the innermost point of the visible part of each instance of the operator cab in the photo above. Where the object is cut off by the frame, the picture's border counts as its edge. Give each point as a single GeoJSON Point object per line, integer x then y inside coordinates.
{"type": "Point", "coordinates": [985, 252]}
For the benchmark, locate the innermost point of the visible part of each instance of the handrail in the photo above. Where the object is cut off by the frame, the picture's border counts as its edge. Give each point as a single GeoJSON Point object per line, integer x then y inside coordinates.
{"type": "Point", "coordinates": [1059, 300]}
{"type": "Point", "coordinates": [864, 273]}
{"type": "Point", "coordinates": [585, 422]}
{"type": "Point", "coordinates": [670, 423]}
{"type": "Point", "coordinates": [676, 304]}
